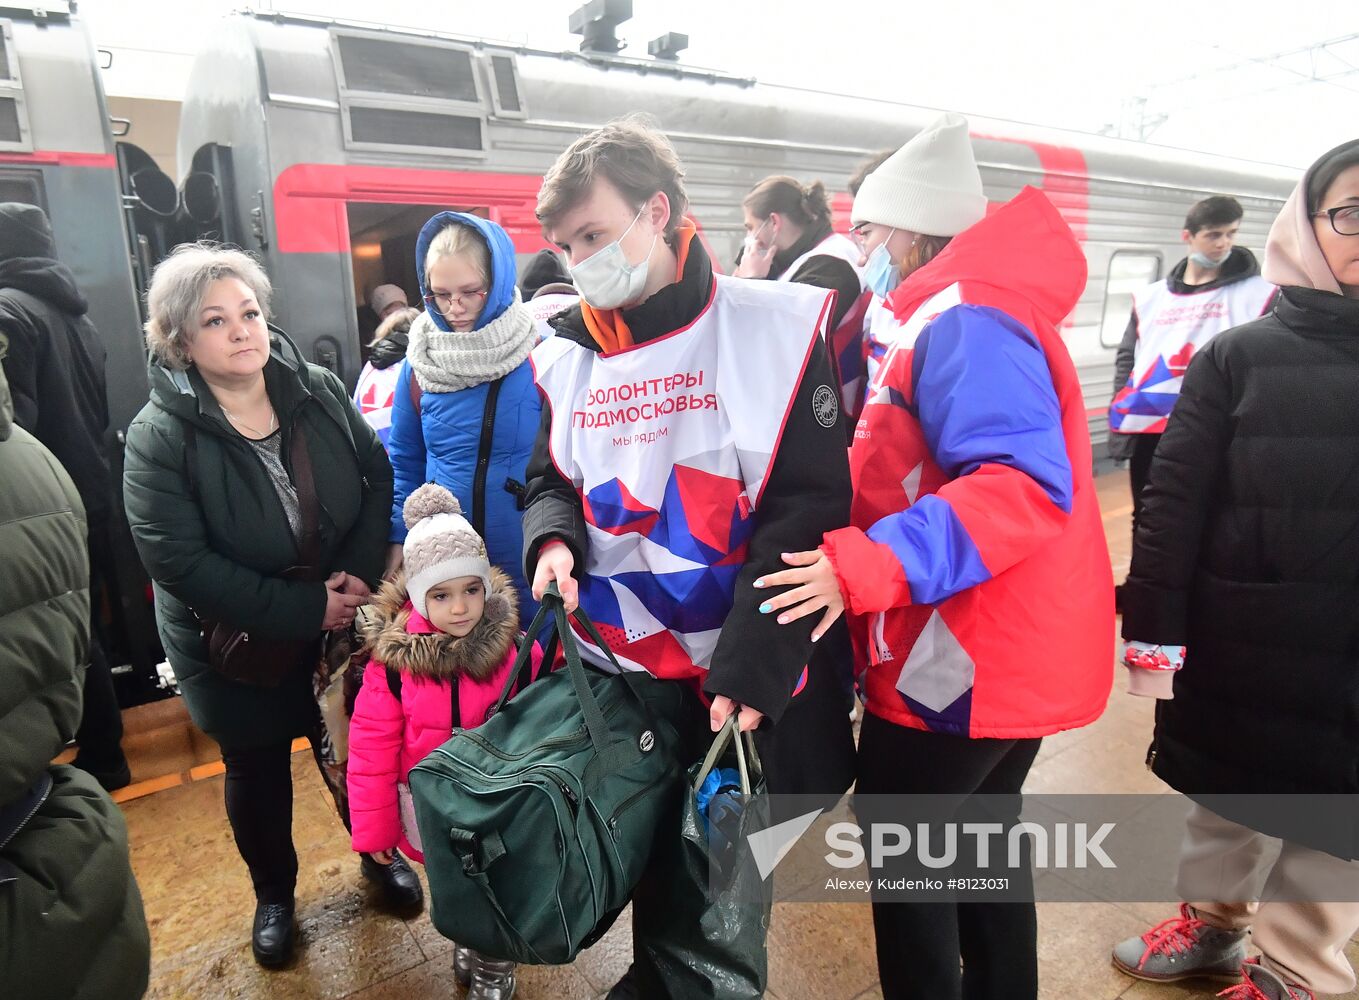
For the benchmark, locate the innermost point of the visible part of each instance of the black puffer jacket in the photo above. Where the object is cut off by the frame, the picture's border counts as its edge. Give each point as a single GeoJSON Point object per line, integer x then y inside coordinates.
{"type": "Point", "coordinates": [55, 364]}
{"type": "Point", "coordinates": [1248, 553]}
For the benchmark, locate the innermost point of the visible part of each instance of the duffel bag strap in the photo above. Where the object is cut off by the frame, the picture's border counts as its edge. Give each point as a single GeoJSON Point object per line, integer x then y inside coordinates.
{"type": "Point", "coordinates": [524, 656]}
{"type": "Point", "coordinates": [594, 716]}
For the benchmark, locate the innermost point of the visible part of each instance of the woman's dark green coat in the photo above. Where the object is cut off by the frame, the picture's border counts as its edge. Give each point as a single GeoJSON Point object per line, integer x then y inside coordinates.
{"type": "Point", "coordinates": [215, 541]}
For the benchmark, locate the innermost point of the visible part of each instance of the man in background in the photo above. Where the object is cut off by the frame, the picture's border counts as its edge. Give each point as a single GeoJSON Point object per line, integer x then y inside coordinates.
{"type": "Point", "coordinates": [55, 368]}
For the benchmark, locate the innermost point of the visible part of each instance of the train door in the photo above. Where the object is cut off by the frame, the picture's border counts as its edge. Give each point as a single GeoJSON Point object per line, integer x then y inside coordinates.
{"type": "Point", "coordinates": [382, 250]}
{"type": "Point", "coordinates": [208, 199]}
{"type": "Point", "coordinates": [151, 210]}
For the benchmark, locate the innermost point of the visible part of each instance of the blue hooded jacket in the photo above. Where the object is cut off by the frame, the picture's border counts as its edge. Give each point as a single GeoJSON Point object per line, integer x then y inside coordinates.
{"type": "Point", "coordinates": [479, 454]}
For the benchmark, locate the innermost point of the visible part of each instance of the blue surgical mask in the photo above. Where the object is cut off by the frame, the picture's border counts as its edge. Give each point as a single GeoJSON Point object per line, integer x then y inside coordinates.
{"type": "Point", "coordinates": [1206, 262]}
{"type": "Point", "coordinates": [881, 276]}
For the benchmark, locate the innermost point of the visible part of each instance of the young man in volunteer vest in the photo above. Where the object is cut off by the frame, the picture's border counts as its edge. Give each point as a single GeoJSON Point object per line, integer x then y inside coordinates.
{"type": "Point", "coordinates": [1218, 286]}
{"type": "Point", "coordinates": [691, 434]}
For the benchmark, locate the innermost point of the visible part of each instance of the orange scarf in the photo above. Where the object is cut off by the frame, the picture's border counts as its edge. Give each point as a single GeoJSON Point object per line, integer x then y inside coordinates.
{"type": "Point", "coordinates": [607, 326]}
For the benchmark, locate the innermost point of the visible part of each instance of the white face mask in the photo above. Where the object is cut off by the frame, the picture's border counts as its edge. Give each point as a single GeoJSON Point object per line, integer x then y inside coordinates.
{"type": "Point", "coordinates": [606, 280]}
{"type": "Point", "coordinates": [752, 240]}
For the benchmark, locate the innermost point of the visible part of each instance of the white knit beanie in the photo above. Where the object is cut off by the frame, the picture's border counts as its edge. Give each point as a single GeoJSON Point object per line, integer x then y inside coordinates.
{"type": "Point", "coordinates": [440, 545]}
{"type": "Point", "coordinates": [930, 186]}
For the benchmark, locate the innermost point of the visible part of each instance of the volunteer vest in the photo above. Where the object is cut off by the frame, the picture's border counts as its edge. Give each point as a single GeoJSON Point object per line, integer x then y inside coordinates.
{"type": "Point", "coordinates": [373, 395]}
{"type": "Point", "coordinates": [544, 307]}
{"type": "Point", "coordinates": [669, 445]}
{"type": "Point", "coordinates": [1171, 328]}
{"type": "Point", "coordinates": [846, 341]}
{"type": "Point", "coordinates": [835, 245]}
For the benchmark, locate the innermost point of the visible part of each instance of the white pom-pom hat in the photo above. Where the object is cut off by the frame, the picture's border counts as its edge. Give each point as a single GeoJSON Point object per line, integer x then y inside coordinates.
{"type": "Point", "coordinates": [440, 545]}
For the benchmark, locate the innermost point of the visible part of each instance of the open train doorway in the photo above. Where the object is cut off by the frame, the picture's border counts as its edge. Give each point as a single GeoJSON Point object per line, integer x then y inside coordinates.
{"type": "Point", "coordinates": [382, 247]}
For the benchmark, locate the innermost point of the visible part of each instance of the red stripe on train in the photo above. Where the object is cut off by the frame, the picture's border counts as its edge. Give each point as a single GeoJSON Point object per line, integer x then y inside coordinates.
{"type": "Point", "coordinates": [62, 158]}
{"type": "Point", "coordinates": [310, 200]}
{"type": "Point", "coordinates": [1065, 180]}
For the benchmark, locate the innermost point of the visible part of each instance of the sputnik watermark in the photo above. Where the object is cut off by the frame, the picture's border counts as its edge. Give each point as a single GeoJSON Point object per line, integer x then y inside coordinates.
{"type": "Point", "coordinates": [1021, 848]}
{"type": "Point", "coordinates": [1074, 845]}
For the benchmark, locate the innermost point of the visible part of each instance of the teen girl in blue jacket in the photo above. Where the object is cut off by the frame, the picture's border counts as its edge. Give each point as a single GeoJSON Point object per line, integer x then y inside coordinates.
{"type": "Point", "coordinates": [465, 411]}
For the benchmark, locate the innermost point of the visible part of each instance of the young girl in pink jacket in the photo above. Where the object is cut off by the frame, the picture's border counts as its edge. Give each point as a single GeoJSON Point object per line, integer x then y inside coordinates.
{"type": "Point", "coordinates": [443, 639]}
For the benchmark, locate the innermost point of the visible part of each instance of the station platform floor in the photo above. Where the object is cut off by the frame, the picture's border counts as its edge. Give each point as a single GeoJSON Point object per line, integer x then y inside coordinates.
{"type": "Point", "coordinates": [199, 903]}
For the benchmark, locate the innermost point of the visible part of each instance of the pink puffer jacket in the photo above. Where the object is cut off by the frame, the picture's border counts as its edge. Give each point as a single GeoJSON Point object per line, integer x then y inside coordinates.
{"type": "Point", "coordinates": [387, 736]}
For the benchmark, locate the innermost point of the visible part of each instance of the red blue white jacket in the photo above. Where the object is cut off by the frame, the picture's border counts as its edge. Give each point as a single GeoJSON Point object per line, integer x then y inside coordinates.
{"type": "Point", "coordinates": [975, 568]}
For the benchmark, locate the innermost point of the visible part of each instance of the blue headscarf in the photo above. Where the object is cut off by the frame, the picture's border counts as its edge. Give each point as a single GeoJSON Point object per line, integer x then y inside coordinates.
{"type": "Point", "coordinates": [501, 291]}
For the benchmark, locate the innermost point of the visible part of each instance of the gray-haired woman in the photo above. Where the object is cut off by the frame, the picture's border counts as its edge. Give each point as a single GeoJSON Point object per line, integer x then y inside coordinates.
{"type": "Point", "coordinates": [246, 463]}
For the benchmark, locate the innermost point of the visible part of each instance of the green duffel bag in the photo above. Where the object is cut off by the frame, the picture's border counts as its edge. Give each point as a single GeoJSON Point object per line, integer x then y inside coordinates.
{"type": "Point", "coordinates": [537, 825]}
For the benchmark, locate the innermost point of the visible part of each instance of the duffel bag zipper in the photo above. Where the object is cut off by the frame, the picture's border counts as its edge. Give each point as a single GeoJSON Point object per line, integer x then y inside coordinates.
{"type": "Point", "coordinates": [31, 813]}
{"type": "Point", "coordinates": [624, 806]}
{"type": "Point", "coordinates": [516, 781]}
{"type": "Point", "coordinates": [573, 737]}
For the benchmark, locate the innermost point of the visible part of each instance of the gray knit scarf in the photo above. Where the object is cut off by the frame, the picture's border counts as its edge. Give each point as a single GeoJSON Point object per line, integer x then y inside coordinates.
{"type": "Point", "coordinates": [449, 361]}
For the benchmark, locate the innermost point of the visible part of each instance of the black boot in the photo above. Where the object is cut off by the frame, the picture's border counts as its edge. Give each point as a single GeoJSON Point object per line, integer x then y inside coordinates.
{"type": "Point", "coordinates": [400, 886]}
{"type": "Point", "coordinates": [273, 934]}
{"type": "Point", "coordinates": [112, 776]}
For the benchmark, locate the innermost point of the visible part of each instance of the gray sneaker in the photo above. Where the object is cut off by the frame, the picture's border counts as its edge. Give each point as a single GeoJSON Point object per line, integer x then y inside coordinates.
{"type": "Point", "coordinates": [1183, 947]}
{"type": "Point", "coordinates": [462, 964]}
{"type": "Point", "coordinates": [492, 979]}
{"type": "Point", "coordinates": [1258, 983]}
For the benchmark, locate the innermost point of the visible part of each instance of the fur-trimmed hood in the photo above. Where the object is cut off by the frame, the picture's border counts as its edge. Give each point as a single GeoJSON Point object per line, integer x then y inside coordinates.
{"type": "Point", "coordinates": [401, 638]}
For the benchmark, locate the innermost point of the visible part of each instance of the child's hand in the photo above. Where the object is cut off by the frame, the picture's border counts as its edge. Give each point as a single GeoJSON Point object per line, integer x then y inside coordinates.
{"type": "Point", "coordinates": [383, 857]}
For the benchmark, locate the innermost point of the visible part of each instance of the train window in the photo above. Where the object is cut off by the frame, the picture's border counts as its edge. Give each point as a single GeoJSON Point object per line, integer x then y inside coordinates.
{"type": "Point", "coordinates": [1129, 272]}
{"type": "Point", "coordinates": [13, 115]}
{"type": "Point", "coordinates": [505, 94]}
{"type": "Point", "coordinates": [424, 130]}
{"type": "Point", "coordinates": [410, 69]}
{"type": "Point", "coordinates": [11, 124]}
{"type": "Point", "coordinates": [24, 186]}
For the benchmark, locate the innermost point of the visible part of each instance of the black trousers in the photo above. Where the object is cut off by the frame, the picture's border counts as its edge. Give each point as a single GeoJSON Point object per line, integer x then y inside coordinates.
{"type": "Point", "coordinates": [101, 723]}
{"type": "Point", "coordinates": [1139, 470]}
{"type": "Point", "coordinates": [259, 806]}
{"type": "Point", "coordinates": [920, 944]}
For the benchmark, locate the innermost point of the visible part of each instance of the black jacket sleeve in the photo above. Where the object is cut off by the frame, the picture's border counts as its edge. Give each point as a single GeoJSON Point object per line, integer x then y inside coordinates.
{"type": "Point", "coordinates": [758, 661]}
{"type": "Point", "coordinates": [551, 504]}
{"type": "Point", "coordinates": [1127, 352]}
{"type": "Point", "coordinates": [833, 274]}
{"type": "Point", "coordinates": [22, 363]}
{"type": "Point", "coordinates": [1184, 478]}
{"type": "Point", "coordinates": [1121, 445]}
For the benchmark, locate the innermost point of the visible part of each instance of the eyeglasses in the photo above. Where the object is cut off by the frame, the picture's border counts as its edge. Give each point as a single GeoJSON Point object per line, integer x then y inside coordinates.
{"type": "Point", "coordinates": [443, 301]}
{"type": "Point", "coordinates": [1344, 220]}
{"type": "Point", "coordinates": [860, 233]}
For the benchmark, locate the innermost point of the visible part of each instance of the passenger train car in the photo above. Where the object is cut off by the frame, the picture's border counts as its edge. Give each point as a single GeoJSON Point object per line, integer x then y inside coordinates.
{"type": "Point", "coordinates": [322, 146]}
